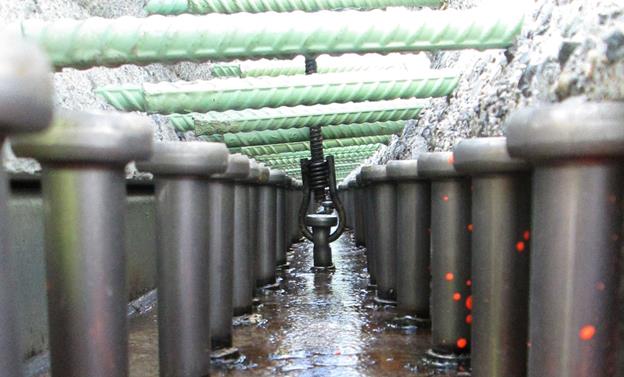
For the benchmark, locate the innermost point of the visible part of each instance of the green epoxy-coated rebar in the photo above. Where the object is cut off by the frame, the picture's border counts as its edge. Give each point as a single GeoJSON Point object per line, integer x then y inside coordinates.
{"type": "Point", "coordinates": [169, 7]}
{"type": "Point", "coordinates": [131, 40]}
{"type": "Point", "coordinates": [338, 162]}
{"type": "Point", "coordinates": [324, 64]}
{"type": "Point", "coordinates": [302, 146]}
{"type": "Point", "coordinates": [306, 116]}
{"type": "Point", "coordinates": [337, 158]}
{"type": "Point", "coordinates": [256, 93]}
{"type": "Point", "coordinates": [218, 122]}
{"type": "Point", "coordinates": [355, 149]}
{"type": "Point", "coordinates": [340, 168]}
{"type": "Point", "coordinates": [243, 139]}
{"type": "Point", "coordinates": [182, 122]}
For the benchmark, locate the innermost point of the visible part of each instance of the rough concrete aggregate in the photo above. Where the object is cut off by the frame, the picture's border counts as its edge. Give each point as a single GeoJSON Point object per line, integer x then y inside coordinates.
{"type": "Point", "coordinates": [566, 49]}
{"type": "Point", "coordinates": [74, 89]}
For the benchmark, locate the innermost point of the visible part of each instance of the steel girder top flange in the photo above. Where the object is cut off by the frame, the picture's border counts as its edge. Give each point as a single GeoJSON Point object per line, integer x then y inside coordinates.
{"type": "Point", "coordinates": [131, 40]}
{"type": "Point", "coordinates": [256, 93]}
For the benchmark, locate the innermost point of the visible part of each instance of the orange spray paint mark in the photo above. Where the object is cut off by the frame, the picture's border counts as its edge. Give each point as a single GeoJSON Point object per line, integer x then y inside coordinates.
{"type": "Point", "coordinates": [469, 319]}
{"type": "Point", "coordinates": [469, 283]}
{"type": "Point", "coordinates": [462, 343]}
{"type": "Point", "coordinates": [449, 276]}
{"type": "Point", "coordinates": [520, 246]}
{"type": "Point", "coordinates": [587, 332]}
{"type": "Point", "coordinates": [470, 227]}
{"type": "Point", "coordinates": [469, 303]}
{"type": "Point", "coordinates": [445, 198]}
{"type": "Point", "coordinates": [456, 296]}
{"type": "Point", "coordinates": [526, 235]}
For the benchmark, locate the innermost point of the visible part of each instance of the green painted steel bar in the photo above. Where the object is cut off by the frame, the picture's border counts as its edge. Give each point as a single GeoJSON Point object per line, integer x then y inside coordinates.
{"type": "Point", "coordinates": [302, 145]}
{"type": "Point", "coordinates": [338, 164]}
{"type": "Point", "coordinates": [219, 122]}
{"type": "Point", "coordinates": [339, 168]}
{"type": "Point", "coordinates": [279, 160]}
{"type": "Point", "coordinates": [256, 93]}
{"type": "Point", "coordinates": [355, 149]}
{"type": "Point", "coordinates": [307, 116]}
{"type": "Point", "coordinates": [324, 64]}
{"type": "Point", "coordinates": [172, 7]}
{"type": "Point", "coordinates": [337, 158]}
{"type": "Point", "coordinates": [244, 139]}
{"type": "Point", "coordinates": [182, 122]}
{"type": "Point", "coordinates": [158, 39]}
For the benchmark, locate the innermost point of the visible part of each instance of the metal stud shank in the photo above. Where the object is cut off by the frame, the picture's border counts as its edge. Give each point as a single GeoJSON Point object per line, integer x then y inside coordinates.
{"type": "Point", "coordinates": [576, 148]}
{"type": "Point", "coordinates": [501, 211]}
{"type": "Point", "coordinates": [451, 302]}
{"type": "Point", "coordinates": [181, 171]}
{"type": "Point", "coordinates": [25, 106]}
{"type": "Point", "coordinates": [83, 157]}
{"type": "Point", "coordinates": [413, 219]}
{"type": "Point", "coordinates": [221, 217]}
{"type": "Point", "coordinates": [382, 197]}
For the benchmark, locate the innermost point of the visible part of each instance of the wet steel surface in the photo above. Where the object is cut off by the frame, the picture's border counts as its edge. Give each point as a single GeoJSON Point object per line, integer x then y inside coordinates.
{"type": "Point", "coordinates": [322, 324]}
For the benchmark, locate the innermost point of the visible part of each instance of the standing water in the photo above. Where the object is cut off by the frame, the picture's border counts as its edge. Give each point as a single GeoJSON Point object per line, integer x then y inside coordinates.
{"type": "Point", "coordinates": [315, 324]}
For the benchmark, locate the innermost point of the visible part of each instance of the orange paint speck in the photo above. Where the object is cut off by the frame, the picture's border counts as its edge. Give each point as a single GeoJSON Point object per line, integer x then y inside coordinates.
{"type": "Point", "coordinates": [469, 302]}
{"type": "Point", "coordinates": [449, 276]}
{"type": "Point", "coordinates": [456, 296]}
{"type": "Point", "coordinates": [469, 227]}
{"type": "Point", "coordinates": [526, 235]}
{"type": "Point", "coordinates": [469, 319]}
{"type": "Point", "coordinates": [445, 198]}
{"type": "Point", "coordinates": [587, 332]}
{"type": "Point", "coordinates": [469, 283]}
{"type": "Point", "coordinates": [520, 246]}
{"type": "Point", "coordinates": [462, 343]}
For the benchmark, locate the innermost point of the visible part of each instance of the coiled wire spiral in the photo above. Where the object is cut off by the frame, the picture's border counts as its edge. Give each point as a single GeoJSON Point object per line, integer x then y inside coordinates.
{"type": "Point", "coordinates": [317, 167]}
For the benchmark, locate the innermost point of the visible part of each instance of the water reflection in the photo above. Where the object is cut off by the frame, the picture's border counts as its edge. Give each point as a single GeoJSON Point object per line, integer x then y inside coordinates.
{"type": "Point", "coordinates": [322, 324]}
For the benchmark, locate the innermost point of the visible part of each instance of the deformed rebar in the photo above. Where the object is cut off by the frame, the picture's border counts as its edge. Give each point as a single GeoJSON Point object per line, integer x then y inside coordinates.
{"type": "Point", "coordinates": [256, 93]}
{"type": "Point", "coordinates": [169, 7]}
{"type": "Point", "coordinates": [325, 64]}
{"type": "Point", "coordinates": [337, 151]}
{"type": "Point", "coordinates": [301, 116]}
{"type": "Point", "coordinates": [243, 139]}
{"type": "Point", "coordinates": [131, 40]}
{"type": "Point", "coordinates": [303, 146]}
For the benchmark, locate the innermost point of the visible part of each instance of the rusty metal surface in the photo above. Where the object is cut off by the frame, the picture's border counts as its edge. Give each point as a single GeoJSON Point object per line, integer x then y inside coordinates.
{"type": "Point", "coordinates": [314, 325]}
